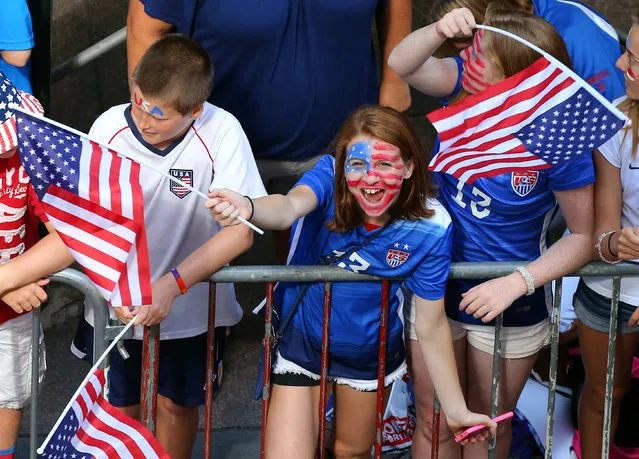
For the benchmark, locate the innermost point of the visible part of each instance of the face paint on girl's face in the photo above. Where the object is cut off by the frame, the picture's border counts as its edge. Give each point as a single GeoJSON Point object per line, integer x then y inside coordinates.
{"type": "Point", "coordinates": [629, 73]}
{"type": "Point", "coordinates": [478, 72]}
{"type": "Point", "coordinates": [473, 66]}
{"type": "Point", "coordinates": [374, 173]}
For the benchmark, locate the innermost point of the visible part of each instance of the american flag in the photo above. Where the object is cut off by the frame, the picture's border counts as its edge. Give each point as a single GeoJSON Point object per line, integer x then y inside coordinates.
{"type": "Point", "coordinates": [9, 95]}
{"type": "Point", "coordinates": [93, 199]}
{"type": "Point", "coordinates": [94, 428]}
{"type": "Point", "coordinates": [535, 119]}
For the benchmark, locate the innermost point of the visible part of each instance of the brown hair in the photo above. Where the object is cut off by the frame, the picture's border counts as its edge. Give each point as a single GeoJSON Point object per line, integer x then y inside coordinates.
{"type": "Point", "coordinates": [177, 71]}
{"type": "Point", "coordinates": [508, 54]}
{"type": "Point", "coordinates": [390, 126]}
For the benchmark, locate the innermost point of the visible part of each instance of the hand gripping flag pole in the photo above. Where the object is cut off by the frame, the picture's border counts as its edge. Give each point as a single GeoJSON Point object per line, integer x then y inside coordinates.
{"type": "Point", "coordinates": [81, 134]}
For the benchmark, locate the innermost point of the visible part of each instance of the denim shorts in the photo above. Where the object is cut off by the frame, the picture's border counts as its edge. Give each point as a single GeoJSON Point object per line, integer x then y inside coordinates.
{"type": "Point", "coordinates": [593, 310]}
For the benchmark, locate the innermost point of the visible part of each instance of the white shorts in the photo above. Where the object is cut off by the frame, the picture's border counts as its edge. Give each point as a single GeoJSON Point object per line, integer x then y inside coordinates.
{"type": "Point", "coordinates": [15, 361]}
{"type": "Point", "coordinates": [283, 365]}
{"type": "Point", "coordinates": [516, 342]}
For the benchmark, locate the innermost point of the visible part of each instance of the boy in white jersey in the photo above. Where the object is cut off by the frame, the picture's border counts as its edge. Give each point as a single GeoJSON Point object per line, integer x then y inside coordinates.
{"type": "Point", "coordinates": [169, 126]}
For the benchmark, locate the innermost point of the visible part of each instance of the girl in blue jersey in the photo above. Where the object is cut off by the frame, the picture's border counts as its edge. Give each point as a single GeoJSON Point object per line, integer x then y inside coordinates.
{"type": "Point", "coordinates": [377, 181]}
{"type": "Point", "coordinates": [500, 218]}
{"type": "Point", "coordinates": [616, 238]}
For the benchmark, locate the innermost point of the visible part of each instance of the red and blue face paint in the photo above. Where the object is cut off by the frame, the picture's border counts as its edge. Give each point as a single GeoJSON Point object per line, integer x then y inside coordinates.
{"type": "Point", "coordinates": [474, 78]}
{"type": "Point", "coordinates": [374, 174]}
{"type": "Point", "coordinates": [629, 73]}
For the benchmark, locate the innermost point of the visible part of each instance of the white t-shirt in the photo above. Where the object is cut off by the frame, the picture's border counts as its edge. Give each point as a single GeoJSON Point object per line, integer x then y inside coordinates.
{"type": "Point", "coordinates": [214, 153]}
{"type": "Point", "coordinates": [618, 152]}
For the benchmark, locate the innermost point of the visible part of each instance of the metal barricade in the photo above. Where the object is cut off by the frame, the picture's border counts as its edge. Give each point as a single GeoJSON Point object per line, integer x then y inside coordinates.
{"type": "Point", "coordinates": [329, 274]}
{"type": "Point", "coordinates": [83, 284]}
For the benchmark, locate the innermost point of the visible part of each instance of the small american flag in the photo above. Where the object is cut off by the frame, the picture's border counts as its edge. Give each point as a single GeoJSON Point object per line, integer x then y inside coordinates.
{"type": "Point", "coordinates": [94, 428]}
{"type": "Point", "coordinates": [9, 95]}
{"type": "Point", "coordinates": [94, 200]}
{"type": "Point", "coordinates": [535, 119]}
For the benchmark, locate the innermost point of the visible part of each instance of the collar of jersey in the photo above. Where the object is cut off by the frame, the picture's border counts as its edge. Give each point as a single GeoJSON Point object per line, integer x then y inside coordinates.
{"type": "Point", "coordinates": [148, 146]}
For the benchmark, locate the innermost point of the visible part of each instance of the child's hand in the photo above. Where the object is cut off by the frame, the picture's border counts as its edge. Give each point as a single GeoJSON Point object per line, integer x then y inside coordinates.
{"type": "Point", "coordinates": [456, 23]}
{"type": "Point", "coordinates": [627, 243]}
{"type": "Point", "coordinates": [26, 298]}
{"type": "Point", "coordinates": [165, 289]}
{"type": "Point", "coordinates": [126, 313]}
{"type": "Point", "coordinates": [471, 419]}
{"type": "Point", "coordinates": [488, 299]}
{"type": "Point", "coordinates": [225, 205]}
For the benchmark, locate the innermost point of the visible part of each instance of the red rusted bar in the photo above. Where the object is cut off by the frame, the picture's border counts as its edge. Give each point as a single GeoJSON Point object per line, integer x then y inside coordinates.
{"type": "Point", "coordinates": [266, 390]}
{"type": "Point", "coordinates": [324, 369]}
{"type": "Point", "coordinates": [434, 452]}
{"type": "Point", "coordinates": [381, 369]}
{"type": "Point", "coordinates": [210, 375]}
{"type": "Point", "coordinates": [149, 387]}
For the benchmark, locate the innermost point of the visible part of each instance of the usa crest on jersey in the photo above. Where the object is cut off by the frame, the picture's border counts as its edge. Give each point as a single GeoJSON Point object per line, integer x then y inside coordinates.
{"type": "Point", "coordinates": [523, 182]}
{"type": "Point", "coordinates": [185, 175]}
{"type": "Point", "coordinates": [395, 257]}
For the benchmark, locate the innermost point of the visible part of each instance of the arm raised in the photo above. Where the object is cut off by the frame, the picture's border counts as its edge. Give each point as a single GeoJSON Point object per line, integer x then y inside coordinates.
{"type": "Point", "coordinates": [413, 58]}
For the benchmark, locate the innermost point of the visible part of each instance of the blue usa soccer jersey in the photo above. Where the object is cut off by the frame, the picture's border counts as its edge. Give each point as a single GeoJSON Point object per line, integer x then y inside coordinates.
{"type": "Point", "coordinates": [506, 218]}
{"type": "Point", "coordinates": [592, 43]}
{"type": "Point", "coordinates": [418, 251]}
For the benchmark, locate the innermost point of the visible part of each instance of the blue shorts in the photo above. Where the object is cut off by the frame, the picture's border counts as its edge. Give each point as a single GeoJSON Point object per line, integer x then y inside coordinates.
{"type": "Point", "coordinates": [181, 374]}
{"type": "Point", "coordinates": [593, 310]}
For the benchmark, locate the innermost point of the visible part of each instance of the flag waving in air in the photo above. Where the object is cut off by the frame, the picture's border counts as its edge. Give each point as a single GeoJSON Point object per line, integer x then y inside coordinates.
{"type": "Point", "coordinates": [94, 200]}
{"type": "Point", "coordinates": [542, 116]}
{"type": "Point", "coordinates": [93, 428]}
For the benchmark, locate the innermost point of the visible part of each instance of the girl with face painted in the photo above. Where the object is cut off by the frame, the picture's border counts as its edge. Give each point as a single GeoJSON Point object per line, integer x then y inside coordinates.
{"type": "Point", "coordinates": [376, 182]}
{"type": "Point", "coordinates": [500, 218]}
{"type": "Point", "coordinates": [616, 238]}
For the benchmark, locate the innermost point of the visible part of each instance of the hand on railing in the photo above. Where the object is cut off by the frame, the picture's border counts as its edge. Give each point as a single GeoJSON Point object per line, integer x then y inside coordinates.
{"type": "Point", "coordinates": [226, 205]}
{"type": "Point", "coordinates": [26, 298]}
{"type": "Point", "coordinates": [165, 290]}
{"type": "Point", "coordinates": [626, 243]}
{"type": "Point", "coordinates": [489, 299]}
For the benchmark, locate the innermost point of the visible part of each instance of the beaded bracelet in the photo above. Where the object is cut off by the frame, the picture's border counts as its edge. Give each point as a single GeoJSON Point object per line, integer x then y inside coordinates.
{"type": "Point", "coordinates": [530, 280]}
{"type": "Point", "coordinates": [602, 236]}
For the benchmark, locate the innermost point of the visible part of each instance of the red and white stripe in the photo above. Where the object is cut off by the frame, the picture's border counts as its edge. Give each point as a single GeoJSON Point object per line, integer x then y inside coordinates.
{"type": "Point", "coordinates": [106, 433]}
{"type": "Point", "coordinates": [476, 134]}
{"type": "Point", "coordinates": [103, 225]}
{"type": "Point", "coordinates": [8, 131]}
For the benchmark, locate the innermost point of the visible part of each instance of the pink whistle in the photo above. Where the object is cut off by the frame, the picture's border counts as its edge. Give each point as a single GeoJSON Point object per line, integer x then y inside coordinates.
{"type": "Point", "coordinates": [473, 430]}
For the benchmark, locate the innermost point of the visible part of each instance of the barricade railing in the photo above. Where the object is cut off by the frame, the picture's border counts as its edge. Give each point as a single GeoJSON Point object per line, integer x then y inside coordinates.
{"type": "Point", "coordinates": [329, 274]}
{"type": "Point", "coordinates": [83, 284]}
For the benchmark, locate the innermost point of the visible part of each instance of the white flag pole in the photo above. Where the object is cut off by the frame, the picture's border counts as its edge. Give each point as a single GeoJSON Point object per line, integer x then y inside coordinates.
{"type": "Point", "coordinates": [563, 67]}
{"type": "Point", "coordinates": [81, 134]}
{"type": "Point", "coordinates": [83, 384]}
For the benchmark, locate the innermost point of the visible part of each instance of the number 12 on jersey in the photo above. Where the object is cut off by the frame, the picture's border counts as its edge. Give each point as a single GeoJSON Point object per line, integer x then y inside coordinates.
{"type": "Point", "coordinates": [479, 208]}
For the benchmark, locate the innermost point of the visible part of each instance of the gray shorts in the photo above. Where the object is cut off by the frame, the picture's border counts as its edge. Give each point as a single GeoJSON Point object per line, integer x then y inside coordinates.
{"type": "Point", "coordinates": [280, 176]}
{"type": "Point", "coordinates": [593, 310]}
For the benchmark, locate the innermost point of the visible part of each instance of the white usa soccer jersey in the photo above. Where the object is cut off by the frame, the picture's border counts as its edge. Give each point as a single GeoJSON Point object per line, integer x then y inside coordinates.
{"type": "Point", "coordinates": [418, 251]}
{"type": "Point", "coordinates": [214, 153]}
